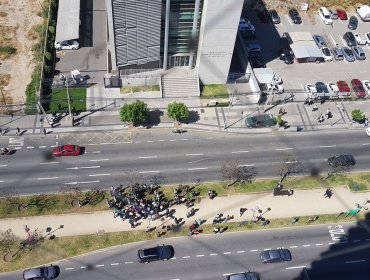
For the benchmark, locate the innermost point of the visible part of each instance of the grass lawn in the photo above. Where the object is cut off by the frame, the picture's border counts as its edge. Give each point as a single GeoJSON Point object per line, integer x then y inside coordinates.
{"type": "Point", "coordinates": [78, 100]}
{"type": "Point", "coordinates": [50, 251]}
{"type": "Point", "coordinates": [214, 91]}
{"type": "Point", "coordinates": [134, 89]}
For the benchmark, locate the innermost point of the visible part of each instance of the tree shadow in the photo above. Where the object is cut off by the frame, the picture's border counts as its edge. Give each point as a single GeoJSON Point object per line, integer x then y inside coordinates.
{"type": "Point", "coordinates": [193, 117]}
{"type": "Point", "coordinates": [154, 118]}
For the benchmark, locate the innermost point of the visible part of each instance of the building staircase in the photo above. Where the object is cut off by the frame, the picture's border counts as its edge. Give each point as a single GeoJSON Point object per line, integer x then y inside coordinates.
{"type": "Point", "coordinates": [180, 82]}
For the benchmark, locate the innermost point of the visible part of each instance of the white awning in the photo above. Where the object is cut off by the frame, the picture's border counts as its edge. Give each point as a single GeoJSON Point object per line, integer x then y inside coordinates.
{"type": "Point", "coordinates": [305, 50]}
{"type": "Point", "coordinates": [68, 24]}
{"type": "Point", "coordinates": [264, 75]}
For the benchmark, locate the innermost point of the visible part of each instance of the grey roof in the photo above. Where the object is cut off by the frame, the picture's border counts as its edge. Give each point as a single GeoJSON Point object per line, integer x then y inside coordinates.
{"type": "Point", "coordinates": [305, 49]}
{"type": "Point", "coordinates": [68, 24]}
{"type": "Point", "coordinates": [264, 75]}
{"type": "Point", "coordinates": [137, 31]}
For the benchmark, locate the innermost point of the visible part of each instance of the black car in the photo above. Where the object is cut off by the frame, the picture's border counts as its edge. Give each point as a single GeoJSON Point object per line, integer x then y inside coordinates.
{"type": "Point", "coordinates": [256, 60]}
{"type": "Point", "coordinates": [287, 56]}
{"type": "Point", "coordinates": [350, 39]}
{"type": "Point", "coordinates": [164, 252]}
{"type": "Point", "coordinates": [352, 23]}
{"type": "Point", "coordinates": [294, 16]}
{"type": "Point", "coordinates": [42, 273]}
{"type": "Point", "coordinates": [342, 160]}
{"type": "Point", "coordinates": [244, 276]}
{"type": "Point", "coordinates": [274, 17]}
{"type": "Point", "coordinates": [275, 256]}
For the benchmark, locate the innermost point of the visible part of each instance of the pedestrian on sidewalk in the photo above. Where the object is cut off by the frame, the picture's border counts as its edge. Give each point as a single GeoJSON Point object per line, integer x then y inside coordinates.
{"type": "Point", "coordinates": [44, 131]}
{"type": "Point", "coordinates": [1, 131]}
{"type": "Point", "coordinates": [328, 193]}
{"type": "Point", "coordinates": [242, 211]}
{"type": "Point", "coordinates": [18, 131]}
{"type": "Point", "coordinates": [315, 108]}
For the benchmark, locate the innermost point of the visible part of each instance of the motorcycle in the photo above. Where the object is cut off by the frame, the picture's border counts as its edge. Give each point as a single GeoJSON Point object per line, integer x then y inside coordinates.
{"type": "Point", "coordinates": [6, 151]}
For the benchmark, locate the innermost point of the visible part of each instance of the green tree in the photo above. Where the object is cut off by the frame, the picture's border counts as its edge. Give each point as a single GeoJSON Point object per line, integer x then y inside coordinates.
{"type": "Point", "coordinates": [357, 115]}
{"type": "Point", "coordinates": [178, 111]}
{"type": "Point", "coordinates": [134, 113]}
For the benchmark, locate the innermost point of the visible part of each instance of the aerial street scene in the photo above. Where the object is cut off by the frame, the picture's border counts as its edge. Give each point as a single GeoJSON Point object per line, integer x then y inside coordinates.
{"type": "Point", "coordinates": [185, 140]}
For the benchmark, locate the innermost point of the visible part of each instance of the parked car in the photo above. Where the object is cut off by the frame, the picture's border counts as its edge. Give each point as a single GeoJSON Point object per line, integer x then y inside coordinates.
{"type": "Point", "coordinates": [253, 47]}
{"type": "Point", "coordinates": [319, 40]}
{"type": "Point", "coordinates": [42, 273]}
{"type": "Point", "coordinates": [366, 84]}
{"type": "Point", "coordinates": [245, 25]}
{"type": "Point", "coordinates": [359, 53]}
{"type": "Point", "coordinates": [350, 39]}
{"type": "Point", "coordinates": [263, 120]}
{"type": "Point", "coordinates": [353, 23]}
{"type": "Point", "coordinates": [275, 256]}
{"type": "Point", "coordinates": [342, 160]}
{"type": "Point", "coordinates": [368, 131]}
{"type": "Point", "coordinates": [367, 36]}
{"type": "Point", "coordinates": [326, 54]}
{"type": "Point", "coordinates": [348, 54]}
{"type": "Point", "coordinates": [274, 88]}
{"type": "Point", "coordinates": [360, 39]}
{"type": "Point", "coordinates": [67, 45]}
{"type": "Point", "coordinates": [287, 56]}
{"type": "Point", "coordinates": [310, 90]}
{"type": "Point", "coordinates": [342, 15]}
{"type": "Point", "coordinates": [333, 90]}
{"type": "Point", "coordinates": [325, 16]}
{"type": "Point", "coordinates": [256, 61]}
{"type": "Point", "coordinates": [274, 17]}
{"type": "Point", "coordinates": [66, 150]}
{"type": "Point", "coordinates": [337, 53]}
{"type": "Point", "coordinates": [244, 276]}
{"type": "Point", "coordinates": [333, 14]}
{"type": "Point", "coordinates": [322, 90]}
{"type": "Point", "coordinates": [294, 16]}
{"type": "Point", "coordinates": [358, 88]}
{"type": "Point", "coordinates": [264, 16]}
{"type": "Point", "coordinates": [164, 252]}
{"type": "Point", "coordinates": [344, 89]}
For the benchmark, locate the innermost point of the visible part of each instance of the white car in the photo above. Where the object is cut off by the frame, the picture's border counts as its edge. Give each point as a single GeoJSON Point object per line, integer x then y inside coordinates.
{"type": "Point", "coordinates": [311, 90]}
{"type": "Point", "coordinates": [324, 14]}
{"type": "Point", "coordinates": [67, 45]}
{"type": "Point", "coordinates": [333, 90]}
{"type": "Point", "coordinates": [367, 35]}
{"type": "Point", "coordinates": [245, 25]}
{"type": "Point", "coordinates": [326, 54]}
{"type": "Point", "coordinates": [368, 131]}
{"type": "Point", "coordinates": [366, 84]}
{"type": "Point", "coordinates": [274, 88]}
{"type": "Point", "coordinates": [360, 39]}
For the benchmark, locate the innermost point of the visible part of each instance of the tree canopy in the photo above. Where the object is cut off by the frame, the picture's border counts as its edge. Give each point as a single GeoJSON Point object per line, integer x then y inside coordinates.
{"type": "Point", "coordinates": [136, 112]}
{"type": "Point", "coordinates": [178, 111]}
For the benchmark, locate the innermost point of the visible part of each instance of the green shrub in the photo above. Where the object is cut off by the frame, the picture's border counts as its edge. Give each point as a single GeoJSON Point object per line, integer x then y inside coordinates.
{"type": "Point", "coordinates": [7, 50]}
{"type": "Point", "coordinates": [48, 56]}
{"type": "Point", "coordinates": [47, 69]}
{"type": "Point", "coordinates": [52, 29]}
{"type": "Point", "coordinates": [357, 115]}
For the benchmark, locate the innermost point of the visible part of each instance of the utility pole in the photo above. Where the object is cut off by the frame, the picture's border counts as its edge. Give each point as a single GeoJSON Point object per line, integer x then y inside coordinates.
{"type": "Point", "coordinates": [69, 103]}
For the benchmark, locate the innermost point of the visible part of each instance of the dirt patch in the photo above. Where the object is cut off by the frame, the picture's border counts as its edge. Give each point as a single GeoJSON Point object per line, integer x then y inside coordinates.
{"type": "Point", "coordinates": [17, 20]}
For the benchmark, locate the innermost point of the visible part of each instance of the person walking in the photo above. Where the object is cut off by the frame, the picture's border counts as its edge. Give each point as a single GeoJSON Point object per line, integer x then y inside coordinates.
{"type": "Point", "coordinates": [18, 131]}
{"type": "Point", "coordinates": [44, 131]}
{"type": "Point", "coordinates": [242, 211]}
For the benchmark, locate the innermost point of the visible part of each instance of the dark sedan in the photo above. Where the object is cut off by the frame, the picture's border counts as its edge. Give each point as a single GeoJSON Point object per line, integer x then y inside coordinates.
{"type": "Point", "coordinates": [164, 252]}
{"type": "Point", "coordinates": [350, 39]}
{"type": "Point", "coordinates": [342, 160]}
{"type": "Point", "coordinates": [244, 276]}
{"type": "Point", "coordinates": [42, 273]}
{"type": "Point", "coordinates": [274, 17]}
{"type": "Point", "coordinates": [275, 256]}
{"type": "Point", "coordinates": [294, 16]}
{"type": "Point", "coordinates": [353, 22]}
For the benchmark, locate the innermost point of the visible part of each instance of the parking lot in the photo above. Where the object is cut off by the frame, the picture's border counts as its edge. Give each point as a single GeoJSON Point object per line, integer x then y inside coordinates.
{"type": "Point", "coordinates": [296, 75]}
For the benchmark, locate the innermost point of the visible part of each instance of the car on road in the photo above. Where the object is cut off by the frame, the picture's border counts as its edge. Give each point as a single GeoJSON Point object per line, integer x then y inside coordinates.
{"type": "Point", "coordinates": [67, 150]}
{"type": "Point", "coordinates": [341, 160]}
{"type": "Point", "coordinates": [337, 53]}
{"type": "Point", "coordinates": [368, 131]}
{"type": "Point", "coordinates": [294, 16]}
{"type": "Point", "coordinates": [350, 39]}
{"type": "Point", "coordinates": [325, 15]}
{"type": "Point", "coordinates": [319, 40]}
{"type": "Point", "coordinates": [244, 276]}
{"type": "Point", "coordinates": [274, 17]}
{"type": "Point", "coordinates": [344, 89]}
{"type": "Point", "coordinates": [245, 25]}
{"type": "Point", "coordinates": [359, 53]}
{"type": "Point", "coordinates": [333, 14]}
{"type": "Point", "coordinates": [342, 15]}
{"type": "Point", "coordinates": [310, 90]}
{"type": "Point", "coordinates": [367, 36]}
{"type": "Point", "coordinates": [276, 256]}
{"type": "Point", "coordinates": [163, 252]}
{"type": "Point", "coordinates": [348, 54]}
{"type": "Point", "coordinates": [358, 88]}
{"type": "Point", "coordinates": [326, 54]}
{"type": "Point", "coordinates": [42, 273]}
{"type": "Point", "coordinates": [263, 120]}
{"type": "Point", "coordinates": [67, 45]}
{"type": "Point", "coordinates": [353, 23]}
{"type": "Point", "coordinates": [360, 39]}
{"type": "Point", "coordinates": [366, 84]}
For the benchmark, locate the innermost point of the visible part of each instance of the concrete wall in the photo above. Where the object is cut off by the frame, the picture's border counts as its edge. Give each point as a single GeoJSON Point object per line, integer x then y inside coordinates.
{"type": "Point", "coordinates": [218, 30]}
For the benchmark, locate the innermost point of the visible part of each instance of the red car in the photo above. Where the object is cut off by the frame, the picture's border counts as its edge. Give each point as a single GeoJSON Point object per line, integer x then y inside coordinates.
{"type": "Point", "coordinates": [342, 14]}
{"type": "Point", "coordinates": [358, 87]}
{"type": "Point", "coordinates": [67, 150]}
{"type": "Point", "coordinates": [343, 87]}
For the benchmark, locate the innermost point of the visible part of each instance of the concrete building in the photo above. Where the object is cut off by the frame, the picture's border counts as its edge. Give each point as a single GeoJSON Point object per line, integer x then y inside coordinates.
{"type": "Point", "coordinates": [176, 44]}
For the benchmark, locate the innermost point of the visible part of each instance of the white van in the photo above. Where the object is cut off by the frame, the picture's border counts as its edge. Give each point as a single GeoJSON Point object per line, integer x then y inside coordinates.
{"type": "Point", "coordinates": [324, 14]}
{"type": "Point", "coordinates": [67, 45]}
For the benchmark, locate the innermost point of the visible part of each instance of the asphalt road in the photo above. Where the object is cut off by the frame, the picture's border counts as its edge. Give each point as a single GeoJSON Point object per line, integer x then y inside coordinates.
{"type": "Point", "coordinates": [178, 158]}
{"type": "Point", "coordinates": [326, 252]}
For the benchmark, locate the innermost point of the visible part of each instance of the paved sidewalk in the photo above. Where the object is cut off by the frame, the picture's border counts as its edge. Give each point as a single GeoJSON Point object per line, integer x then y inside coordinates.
{"type": "Point", "coordinates": [302, 203]}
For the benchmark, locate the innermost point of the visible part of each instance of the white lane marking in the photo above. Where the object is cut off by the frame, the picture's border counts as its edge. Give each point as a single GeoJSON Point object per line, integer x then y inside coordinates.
{"type": "Point", "coordinates": [189, 155]}
{"type": "Point", "coordinates": [331, 243]}
{"type": "Point", "coordinates": [148, 157]}
{"type": "Point", "coordinates": [96, 175]}
{"type": "Point", "coordinates": [197, 168]}
{"type": "Point", "coordinates": [228, 274]}
{"type": "Point", "coordinates": [137, 142]}
{"type": "Point", "coordinates": [254, 250]}
{"type": "Point", "coordinates": [246, 165]}
{"type": "Point", "coordinates": [83, 266]}
{"type": "Point", "coordinates": [239, 152]}
{"type": "Point", "coordinates": [184, 139]}
{"type": "Point", "coordinates": [295, 267]}
{"type": "Point", "coordinates": [150, 141]}
{"type": "Point", "coordinates": [266, 249]}
{"type": "Point", "coordinates": [173, 140]}
{"type": "Point", "coordinates": [114, 264]}
{"type": "Point", "coordinates": [174, 258]}
{"type": "Point", "coordinates": [356, 261]}
{"type": "Point", "coordinates": [52, 162]}
{"type": "Point", "coordinates": [331, 37]}
{"type": "Point", "coordinates": [366, 144]}
{"type": "Point", "coordinates": [30, 147]}
{"type": "Point", "coordinates": [99, 265]}
{"type": "Point", "coordinates": [90, 167]}
{"type": "Point", "coordinates": [293, 246]}
{"type": "Point", "coordinates": [93, 152]}
{"type": "Point", "coordinates": [87, 182]}
{"type": "Point", "coordinates": [283, 149]}
{"type": "Point", "coordinates": [329, 146]}
{"type": "Point", "coordinates": [194, 161]}
{"type": "Point", "coordinates": [3, 165]}
{"type": "Point", "coordinates": [16, 148]}
{"type": "Point", "coordinates": [103, 159]}
{"type": "Point", "coordinates": [42, 147]}
{"type": "Point", "coordinates": [128, 262]}
{"type": "Point", "coordinates": [226, 253]}
{"type": "Point", "coordinates": [2, 181]}
{"type": "Point", "coordinates": [239, 252]}
{"type": "Point", "coordinates": [69, 268]}
{"type": "Point", "coordinates": [186, 257]}
{"type": "Point", "coordinates": [319, 244]}
{"type": "Point", "coordinates": [291, 162]}
{"type": "Point", "coordinates": [213, 254]}
{"type": "Point", "coordinates": [153, 171]}
{"type": "Point", "coordinates": [306, 245]}
{"type": "Point", "coordinates": [200, 256]}
{"type": "Point", "coordinates": [47, 178]}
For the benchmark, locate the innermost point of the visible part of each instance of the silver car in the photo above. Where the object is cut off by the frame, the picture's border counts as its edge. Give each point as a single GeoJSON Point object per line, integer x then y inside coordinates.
{"type": "Point", "coordinates": [337, 53]}
{"type": "Point", "coordinates": [319, 40]}
{"type": "Point", "coordinates": [359, 53]}
{"type": "Point", "coordinates": [348, 54]}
